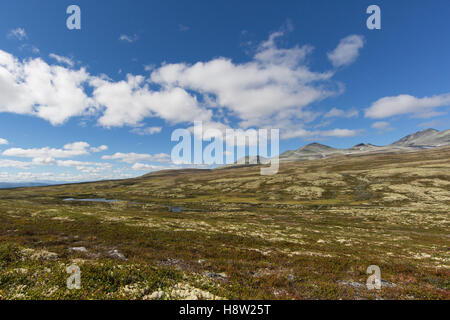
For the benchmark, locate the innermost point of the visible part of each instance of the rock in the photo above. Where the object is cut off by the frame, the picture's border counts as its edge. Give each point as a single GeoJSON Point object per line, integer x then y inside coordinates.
{"type": "Point", "coordinates": [116, 254]}
{"type": "Point", "coordinates": [354, 284]}
{"type": "Point", "coordinates": [219, 276]}
{"type": "Point", "coordinates": [350, 283]}
{"type": "Point", "coordinates": [78, 249]}
{"type": "Point", "coordinates": [170, 262]}
{"type": "Point", "coordinates": [388, 284]}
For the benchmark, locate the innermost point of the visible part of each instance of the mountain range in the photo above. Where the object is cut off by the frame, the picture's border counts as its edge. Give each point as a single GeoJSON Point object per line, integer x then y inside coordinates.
{"type": "Point", "coordinates": [425, 139]}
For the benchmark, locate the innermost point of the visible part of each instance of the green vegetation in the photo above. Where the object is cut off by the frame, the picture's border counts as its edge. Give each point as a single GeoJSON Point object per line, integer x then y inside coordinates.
{"type": "Point", "coordinates": [309, 232]}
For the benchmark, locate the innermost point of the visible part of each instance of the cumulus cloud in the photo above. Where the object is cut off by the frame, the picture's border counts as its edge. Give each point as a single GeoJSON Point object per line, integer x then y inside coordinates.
{"type": "Point", "coordinates": [6, 163]}
{"type": "Point", "coordinates": [347, 51]}
{"type": "Point", "coordinates": [339, 113]}
{"type": "Point", "coordinates": [50, 156]}
{"type": "Point", "coordinates": [340, 133]}
{"type": "Point", "coordinates": [274, 88]}
{"type": "Point", "coordinates": [18, 33]}
{"type": "Point", "coordinates": [3, 141]}
{"type": "Point", "coordinates": [145, 167]}
{"type": "Point", "coordinates": [404, 104]}
{"type": "Point", "coordinates": [303, 133]}
{"type": "Point", "coordinates": [69, 150]}
{"type": "Point", "coordinates": [133, 158]}
{"type": "Point", "coordinates": [33, 87]}
{"type": "Point", "coordinates": [276, 82]}
{"type": "Point", "coordinates": [130, 101]}
{"type": "Point", "coordinates": [61, 59]}
{"type": "Point", "coordinates": [99, 149]}
{"type": "Point", "coordinates": [62, 177]}
{"type": "Point", "coordinates": [85, 166]}
{"type": "Point", "coordinates": [43, 161]}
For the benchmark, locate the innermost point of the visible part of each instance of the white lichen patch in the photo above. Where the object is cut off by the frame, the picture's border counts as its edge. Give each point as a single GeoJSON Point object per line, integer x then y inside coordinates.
{"type": "Point", "coordinates": [38, 254]}
{"type": "Point", "coordinates": [183, 291]}
{"type": "Point", "coordinates": [310, 192]}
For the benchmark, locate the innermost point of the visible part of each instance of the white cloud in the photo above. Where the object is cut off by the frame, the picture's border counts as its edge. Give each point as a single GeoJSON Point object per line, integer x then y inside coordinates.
{"type": "Point", "coordinates": [136, 157]}
{"type": "Point", "coordinates": [62, 59]}
{"type": "Point", "coordinates": [33, 87]}
{"type": "Point", "coordinates": [340, 133]}
{"type": "Point", "coordinates": [63, 177]}
{"type": "Point", "coordinates": [303, 133]}
{"type": "Point", "coordinates": [145, 167]}
{"type": "Point", "coordinates": [273, 89]}
{"type": "Point", "coordinates": [3, 141]}
{"type": "Point", "coordinates": [403, 104]}
{"type": "Point", "coordinates": [347, 51]}
{"type": "Point", "coordinates": [43, 161]}
{"type": "Point", "coordinates": [69, 150]}
{"type": "Point", "coordinates": [146, 131]}
{"type": "Point", "coordinates": [131, 101]}
{"type": "Point", "coordinates": [99, 149]}
{"type": "Point", "coordinates": [18, 33]}
{"type": "Point", "coordinates": [380, 125]}
{"type": "Point", "coordinates": [338, 113]}
{"type": "Point", "coordinates": [6, 163]}
{"type": "Point", "coordinates": [275, 83]}
{"type": "Point", "coordinates": [85, 166]}
{"type": "Point", "coordinates": [29, 47]}
{"type": "Point", "coordinates": [149, 67]}
{"type": "Point", "coordinates": [128, 38]}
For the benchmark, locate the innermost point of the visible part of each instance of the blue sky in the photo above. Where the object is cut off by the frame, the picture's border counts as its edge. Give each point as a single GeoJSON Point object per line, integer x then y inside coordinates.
{"type": "Point", "coordinates": [102, 102]}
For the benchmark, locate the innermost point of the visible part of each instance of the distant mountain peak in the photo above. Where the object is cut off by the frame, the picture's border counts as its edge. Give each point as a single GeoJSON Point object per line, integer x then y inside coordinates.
{"type": "Point", "coordinates": [429, 130]}
{"type": "Point", "coordinates": [316, 146]}
{"type": "Point", "coordinates": [424, 138]}
{"type": "Point", "coordinates": [252, 160]}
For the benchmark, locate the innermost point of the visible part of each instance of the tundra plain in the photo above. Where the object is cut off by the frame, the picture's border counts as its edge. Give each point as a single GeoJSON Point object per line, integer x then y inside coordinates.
{"type": "Point", "coordinates": [309, 232]}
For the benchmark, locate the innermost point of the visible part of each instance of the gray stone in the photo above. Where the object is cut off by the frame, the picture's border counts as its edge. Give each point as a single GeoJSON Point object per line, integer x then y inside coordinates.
{"type": "Point", "coordinates": [116, 254]}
